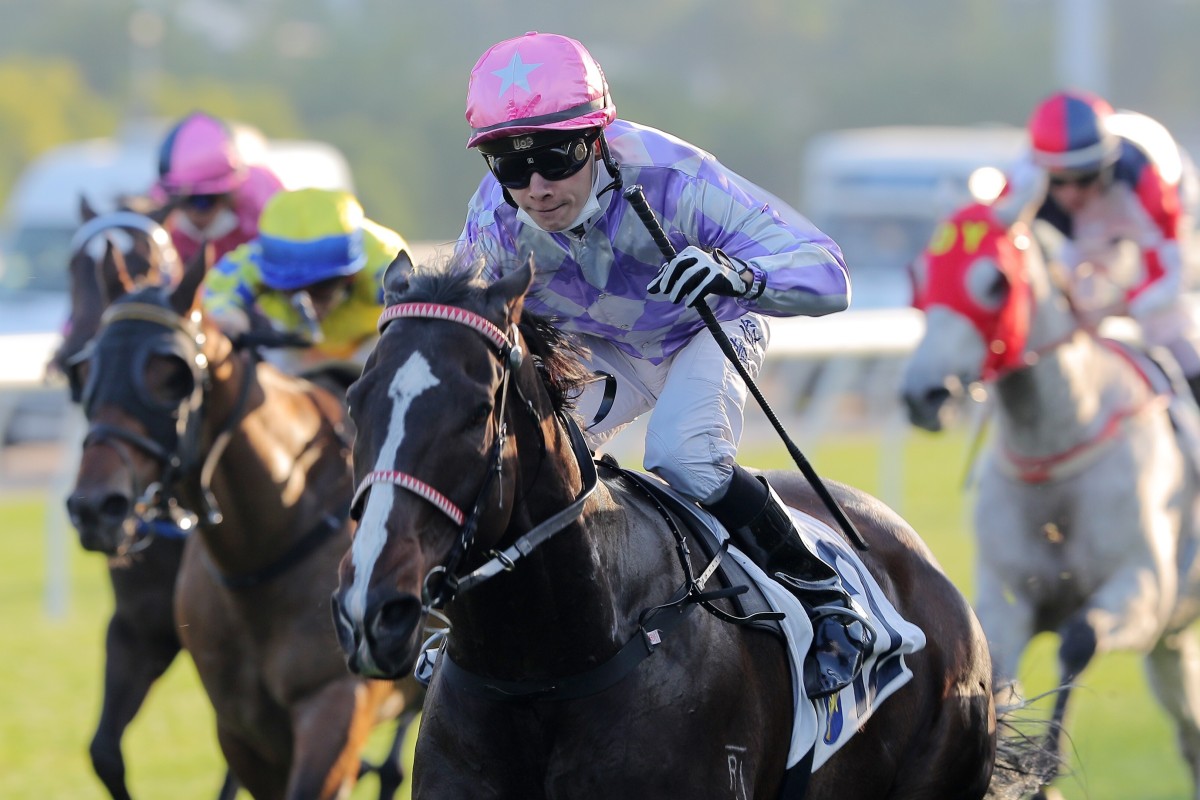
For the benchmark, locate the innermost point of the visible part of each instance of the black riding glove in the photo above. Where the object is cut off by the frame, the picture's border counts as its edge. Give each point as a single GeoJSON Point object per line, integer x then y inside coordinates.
{"type": "Point", "coordinates": [694, 273]}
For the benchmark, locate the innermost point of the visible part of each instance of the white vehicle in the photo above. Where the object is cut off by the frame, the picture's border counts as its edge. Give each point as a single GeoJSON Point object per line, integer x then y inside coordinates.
{"type": "Point", "coordinates": [42, 212]}
{"type": "Point", "coordinates": [879, 192]}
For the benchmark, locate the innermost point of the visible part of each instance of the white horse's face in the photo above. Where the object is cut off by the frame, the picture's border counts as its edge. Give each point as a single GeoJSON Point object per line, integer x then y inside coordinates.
{"type": "Point", "coordinates": [972, 285]}
{"type": "Point", "coordinates": [944, 365]}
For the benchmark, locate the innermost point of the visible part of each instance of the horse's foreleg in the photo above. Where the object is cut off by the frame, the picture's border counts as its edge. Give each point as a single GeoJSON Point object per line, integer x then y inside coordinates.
{"type": "Point", "coordinates": [391, 771]}
{"type": "Point", "coordinates": [1127, 613]}
{"type": "Point", "coordinates": [1173, 668]}
{"type": "Point", "coordinates": [1007, 618]}
{"type": "Point", "coordinates": [261, 778]}
{"type": "Point", "coordinates": [330, 729]}
{"type": "Point", "coordinates": [133, 662]}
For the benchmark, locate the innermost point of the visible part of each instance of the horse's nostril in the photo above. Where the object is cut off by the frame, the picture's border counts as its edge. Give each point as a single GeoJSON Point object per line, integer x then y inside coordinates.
{"type": "Point", "coordinates": [399, 615]}
{"type": "Point", "coordinates": [115, 506]}
{"type": "Point", "coordinates": [937, 396]}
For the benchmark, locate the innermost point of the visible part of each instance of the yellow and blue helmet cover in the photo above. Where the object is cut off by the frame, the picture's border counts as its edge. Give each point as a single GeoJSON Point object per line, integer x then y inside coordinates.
{"type": "Point", "coordinates": [307, 236]}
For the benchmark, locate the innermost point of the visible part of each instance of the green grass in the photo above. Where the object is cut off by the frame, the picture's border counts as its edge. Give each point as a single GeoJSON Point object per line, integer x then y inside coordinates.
{"type": "Point", "coordinates": [50, 675]}
{"type": "Point", "coordinates": [1121, 743]}
{"type": "Point", "coordinates": [51, 684]}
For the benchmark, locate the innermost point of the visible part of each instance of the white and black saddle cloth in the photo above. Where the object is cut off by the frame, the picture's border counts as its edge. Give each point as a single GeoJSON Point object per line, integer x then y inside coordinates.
{"type": "Point", "coordinates": [825, 724]}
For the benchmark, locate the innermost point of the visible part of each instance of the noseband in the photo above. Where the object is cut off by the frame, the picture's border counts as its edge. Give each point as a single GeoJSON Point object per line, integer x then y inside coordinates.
{"type": "Point", "coordinates": [448, 584]}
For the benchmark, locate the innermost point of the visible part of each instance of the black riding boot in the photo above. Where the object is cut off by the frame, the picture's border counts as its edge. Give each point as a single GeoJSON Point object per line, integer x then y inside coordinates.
{"type": "Point", "coordinates": [1194, 384]}
{"type": "Point", "coordinates": [762, 528]}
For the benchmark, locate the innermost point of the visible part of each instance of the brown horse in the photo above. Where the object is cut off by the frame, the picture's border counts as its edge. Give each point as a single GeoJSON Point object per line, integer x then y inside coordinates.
{"type": "Point", "coordinates": [180, 419]}
{"type": "Point", "coordinates": [141, 641]}
{"type": "Point", "coordinates": [477, 492]}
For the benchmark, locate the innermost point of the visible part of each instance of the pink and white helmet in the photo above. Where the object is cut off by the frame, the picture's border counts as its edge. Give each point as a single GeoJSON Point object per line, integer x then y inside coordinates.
{"type": "Point", "coordinates": [199, 156]}
{"type": "Point", "coordinates": [536, 82]}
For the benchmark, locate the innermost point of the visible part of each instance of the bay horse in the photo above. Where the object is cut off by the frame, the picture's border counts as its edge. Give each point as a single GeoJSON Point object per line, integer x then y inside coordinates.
{"type": "Point", "coordinates": [141, 640]}
{"type": "Point", "coordinates": [1085, 510]}
{"type": "Point", "coordinates": [478, 494]}
{"type": "Point", "coordinates": [180, 418]}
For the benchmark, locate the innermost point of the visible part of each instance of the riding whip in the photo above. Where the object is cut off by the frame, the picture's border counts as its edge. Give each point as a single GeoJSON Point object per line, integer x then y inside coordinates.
{"type": "Point", "coordinates": [637, 199]}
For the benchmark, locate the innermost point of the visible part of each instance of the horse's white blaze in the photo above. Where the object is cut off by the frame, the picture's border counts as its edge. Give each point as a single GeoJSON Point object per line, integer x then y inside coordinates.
{"type": "Point", "coordinates": [410, 381]}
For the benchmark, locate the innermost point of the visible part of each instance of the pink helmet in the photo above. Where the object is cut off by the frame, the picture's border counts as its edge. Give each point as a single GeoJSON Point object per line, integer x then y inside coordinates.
{"type": "Point", "coordinates": [536, 82]}
{"type": "Point", "coordinates": [199, 156]}
{"type": "Point", "coordinates": [1068, 131]}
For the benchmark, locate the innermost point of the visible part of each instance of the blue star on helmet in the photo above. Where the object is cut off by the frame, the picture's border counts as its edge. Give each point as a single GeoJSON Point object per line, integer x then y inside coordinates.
{"type": "Point", "coordinates": [517, 72]}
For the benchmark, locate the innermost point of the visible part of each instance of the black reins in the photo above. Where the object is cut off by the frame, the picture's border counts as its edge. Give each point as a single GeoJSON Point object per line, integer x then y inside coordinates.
{"type": "Point", "coordinates": [442, 583]}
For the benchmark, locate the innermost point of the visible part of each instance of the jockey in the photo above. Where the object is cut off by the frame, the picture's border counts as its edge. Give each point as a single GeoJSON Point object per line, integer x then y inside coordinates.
{"type": "Point", "coordinates": [316, 269]}
{"type": "Point", "coordinates": [1119, 181]}
{"type": "Point", "coordinates": [219, 197]}
{"type": "Point", "coordinates": [544, 122]}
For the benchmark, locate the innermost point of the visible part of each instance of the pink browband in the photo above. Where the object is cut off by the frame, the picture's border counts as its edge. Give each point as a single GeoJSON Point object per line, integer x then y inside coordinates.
{"type": "Point", "coordinates": [414, 485]}
{"type": "Point", "coordinates": [403, 479]}
{"type": "Point", "coordinates": [451, 313]}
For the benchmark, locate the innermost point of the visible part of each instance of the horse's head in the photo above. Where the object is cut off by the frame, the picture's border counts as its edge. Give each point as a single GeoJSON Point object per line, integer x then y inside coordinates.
{"type": "Point", "coordinates": [444, 400]}
{"type": "Point", "coordinates": [973, 283]}
{"type": "Point", "coordinates": [110, 253]}
{"type": "Point", "coordinates": [140, 384]}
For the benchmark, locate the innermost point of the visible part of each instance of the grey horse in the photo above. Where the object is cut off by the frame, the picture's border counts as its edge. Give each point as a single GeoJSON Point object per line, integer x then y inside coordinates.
{"type": "Point", "coordinates": [1085, 511]}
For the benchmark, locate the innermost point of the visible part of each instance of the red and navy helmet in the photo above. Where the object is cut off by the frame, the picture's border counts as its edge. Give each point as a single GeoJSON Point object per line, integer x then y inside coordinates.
{"type": "Point", "coordinates": [1068, 132]}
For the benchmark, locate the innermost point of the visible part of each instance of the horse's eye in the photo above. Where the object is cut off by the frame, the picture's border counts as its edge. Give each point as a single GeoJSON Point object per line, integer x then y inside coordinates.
{"type": "Point", "coordinates": [483, 412]}
{"type": "Point", "coordinates": [986, 283]}
{"type": "Point", "coordinates": [168, 380]}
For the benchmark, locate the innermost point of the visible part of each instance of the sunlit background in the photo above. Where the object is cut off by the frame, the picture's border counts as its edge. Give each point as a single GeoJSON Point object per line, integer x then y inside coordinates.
{"type": "Point", "coordinates": [872, 117]}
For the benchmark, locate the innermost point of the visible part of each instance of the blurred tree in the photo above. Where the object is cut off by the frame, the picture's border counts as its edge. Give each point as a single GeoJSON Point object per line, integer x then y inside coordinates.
{"type": "Point", "coordinates": [750, 81]}
{"type": "Point", "coordinates": [45, 102]}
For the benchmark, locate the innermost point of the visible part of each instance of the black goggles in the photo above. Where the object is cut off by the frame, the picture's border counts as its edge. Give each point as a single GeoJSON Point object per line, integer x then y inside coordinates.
{"type": "Point", "coordinates": [553, 162]}
{"type": "Point", "coordinates": [1081, 181]}
{"type": "Point", "coordinates": [202, 202]}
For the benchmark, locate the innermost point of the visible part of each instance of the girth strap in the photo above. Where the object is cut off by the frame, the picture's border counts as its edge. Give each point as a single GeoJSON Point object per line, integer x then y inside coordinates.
{"type": "Point", "coordinates": [652, 632]}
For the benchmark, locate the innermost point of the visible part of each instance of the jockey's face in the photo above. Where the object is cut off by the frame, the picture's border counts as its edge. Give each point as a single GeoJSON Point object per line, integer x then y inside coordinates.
{"type": "Point", "coordinates": [201, 210]}
{"type": "Point", "coordinates": [555, 204]}
{"type": "Point", "coordinates": [1073, 192]}
{"type": "Point", "coordinates": [328, 294]}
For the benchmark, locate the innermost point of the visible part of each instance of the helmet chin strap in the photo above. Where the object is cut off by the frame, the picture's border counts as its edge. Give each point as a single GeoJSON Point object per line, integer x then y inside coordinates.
{"type": "Point", "coordinates": [610, 163]}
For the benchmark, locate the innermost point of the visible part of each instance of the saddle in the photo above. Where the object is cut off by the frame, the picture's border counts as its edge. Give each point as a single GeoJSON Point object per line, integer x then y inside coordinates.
{"type": "Point", "coordinates": [751, 607]}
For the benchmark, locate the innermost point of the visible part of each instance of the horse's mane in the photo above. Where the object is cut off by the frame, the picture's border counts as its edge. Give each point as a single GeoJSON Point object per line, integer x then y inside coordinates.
{"type": "Point", "coordinates": [458, 280]}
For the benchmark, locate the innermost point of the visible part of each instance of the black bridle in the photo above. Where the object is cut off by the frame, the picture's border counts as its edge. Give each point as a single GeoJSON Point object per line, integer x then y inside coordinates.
{"type": "Point", "coordinates": [443, 582]}
{"type": "Point", "coordinates": [174, 438]}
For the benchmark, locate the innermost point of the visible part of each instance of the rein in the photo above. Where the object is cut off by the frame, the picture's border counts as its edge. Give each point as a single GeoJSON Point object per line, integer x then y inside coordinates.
{"type": "Point", "coordinates": [157, 503]}
{"type": "Point", "coordinates": [1073, 460]}
{"type": "Point", "coordinates": [159, 238]}
{"type": "Point", "coordinates": [653, 627]}
{"type": "Point", "coordinates": [653, 624]}
{"type": "Point", "coordinates": [326, 528]}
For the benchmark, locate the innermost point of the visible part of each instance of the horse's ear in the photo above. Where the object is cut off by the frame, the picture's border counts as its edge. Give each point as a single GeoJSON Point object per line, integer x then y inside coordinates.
{"type": "Point", "coordinates": [183, 296]}
{"type": "Point", "coordinates": [115, 280]}
{"type": "Point", "coordinates": [86, 212]}
{"type": "Point", "coordinates": [395, 277]}
{"type": "Point", "coordinates": [511, 289]}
